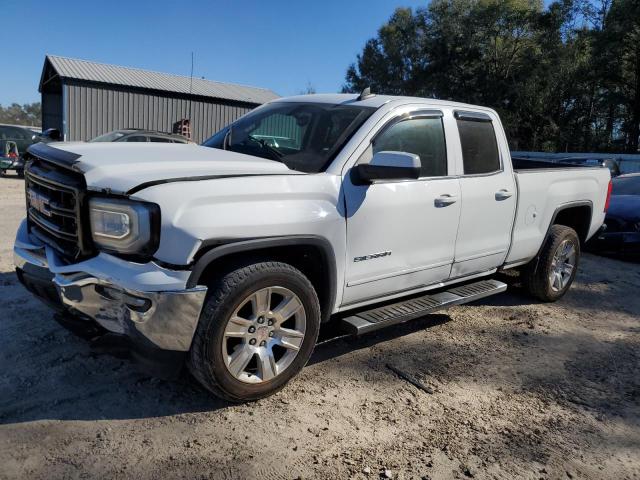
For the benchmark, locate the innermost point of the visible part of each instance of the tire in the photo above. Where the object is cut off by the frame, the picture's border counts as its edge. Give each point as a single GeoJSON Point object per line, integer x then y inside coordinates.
{"type": "Point", "coordinates": [220, 346]}
{"type": "Point", "coordinates": [20, 173]}
{"type": "Point", "coordinates": [540, 278]}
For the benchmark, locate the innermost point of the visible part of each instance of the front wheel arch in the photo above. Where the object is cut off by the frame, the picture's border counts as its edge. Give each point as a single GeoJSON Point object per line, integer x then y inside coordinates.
{"type": "Point", "coordinates": [312, 255]}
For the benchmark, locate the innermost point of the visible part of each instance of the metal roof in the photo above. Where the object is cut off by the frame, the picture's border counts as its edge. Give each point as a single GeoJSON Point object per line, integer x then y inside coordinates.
{"type": "Point", "coordinates": [84, 70]}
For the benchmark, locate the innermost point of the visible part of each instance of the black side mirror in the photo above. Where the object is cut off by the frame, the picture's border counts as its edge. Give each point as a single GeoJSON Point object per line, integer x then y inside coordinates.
{"type": "Point", "coordinates": [387, 166]}
{"type": "Point", "coordinates": [52, 134]}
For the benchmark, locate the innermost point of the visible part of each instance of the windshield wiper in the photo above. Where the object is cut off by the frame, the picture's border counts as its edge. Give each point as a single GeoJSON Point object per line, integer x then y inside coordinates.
{"type": "Point", "coordinates": [275, 153]}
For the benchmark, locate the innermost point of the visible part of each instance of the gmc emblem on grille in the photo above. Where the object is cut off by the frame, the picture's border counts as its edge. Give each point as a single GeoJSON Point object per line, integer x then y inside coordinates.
{"type": "Point", "coordinates": [39, 203]}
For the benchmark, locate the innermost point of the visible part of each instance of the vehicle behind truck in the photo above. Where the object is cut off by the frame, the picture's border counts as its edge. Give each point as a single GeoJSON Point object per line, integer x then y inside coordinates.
{"type": "Point", "coordinates": [381, 209]}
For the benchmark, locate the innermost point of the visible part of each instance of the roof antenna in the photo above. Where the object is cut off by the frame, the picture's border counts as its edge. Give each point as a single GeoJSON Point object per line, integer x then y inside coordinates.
{"type": "Point", "coordinates": [190, 85]}
{"type": "Point", "coordinates": [366, 93]}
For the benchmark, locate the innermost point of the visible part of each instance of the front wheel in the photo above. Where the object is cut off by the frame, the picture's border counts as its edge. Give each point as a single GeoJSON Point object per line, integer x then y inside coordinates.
{"type": "Point", "coordinates": [257, 330]}
{"type": "Point", "coordinates": [551, 276]}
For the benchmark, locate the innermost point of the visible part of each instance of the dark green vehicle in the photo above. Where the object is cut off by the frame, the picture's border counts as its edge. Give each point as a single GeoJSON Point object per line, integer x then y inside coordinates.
{"type": "Point", "coordinates": [14, 141]}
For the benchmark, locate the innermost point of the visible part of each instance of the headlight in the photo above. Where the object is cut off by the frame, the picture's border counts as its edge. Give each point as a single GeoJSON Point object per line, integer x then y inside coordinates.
{"type": "Point", "coordinates": [124, 226]}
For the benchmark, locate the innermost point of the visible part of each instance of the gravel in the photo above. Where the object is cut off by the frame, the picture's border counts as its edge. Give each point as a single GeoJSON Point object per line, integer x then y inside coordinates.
{"type": "Point", "coordinates": [520, 390]}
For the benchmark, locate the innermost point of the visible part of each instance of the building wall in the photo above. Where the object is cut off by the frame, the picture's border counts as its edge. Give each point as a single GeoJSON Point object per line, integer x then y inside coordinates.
{"type": "Point", "coordinates": [92, 110]}
{"type": "Point", "coordinates": [52, 110]}
{"type": "Point", "coordinates": [281, 126]}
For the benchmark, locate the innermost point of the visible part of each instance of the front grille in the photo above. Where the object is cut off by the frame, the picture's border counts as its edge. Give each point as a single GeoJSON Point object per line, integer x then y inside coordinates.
{"type": "Point", "coordinates": [55, 207]}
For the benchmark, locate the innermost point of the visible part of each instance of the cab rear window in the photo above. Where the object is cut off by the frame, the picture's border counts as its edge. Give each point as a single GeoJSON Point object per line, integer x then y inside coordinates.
{"type": "Point", "coordinates": [479, 145]}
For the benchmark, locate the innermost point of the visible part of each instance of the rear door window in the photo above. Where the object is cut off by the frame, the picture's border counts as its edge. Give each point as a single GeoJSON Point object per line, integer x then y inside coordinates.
{"type": "Point", "coordinates": [160, 140]}
{"type": "Point", "coordinates": [479, 146]}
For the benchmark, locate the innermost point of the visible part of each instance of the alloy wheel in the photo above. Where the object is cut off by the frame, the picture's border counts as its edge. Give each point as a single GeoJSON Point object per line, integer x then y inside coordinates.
{"type": "Point", "coordinates": [562, 265]}
{"type": "Point", "coordinates": [264, 334]}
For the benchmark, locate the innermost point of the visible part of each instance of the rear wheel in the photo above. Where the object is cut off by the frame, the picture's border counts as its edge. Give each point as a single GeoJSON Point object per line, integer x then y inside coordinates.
{"type": "Point", "coordinates": [258, 329]}
{"type": "Point", "coordinates": [552, 275]}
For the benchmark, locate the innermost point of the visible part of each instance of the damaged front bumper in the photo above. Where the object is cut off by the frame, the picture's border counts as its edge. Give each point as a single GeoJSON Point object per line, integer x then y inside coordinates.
{"type": "Point", "coordinates": [146, 304]}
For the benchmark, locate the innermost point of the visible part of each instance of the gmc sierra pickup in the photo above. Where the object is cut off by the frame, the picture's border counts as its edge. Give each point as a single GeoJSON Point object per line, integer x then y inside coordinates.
{"type": "Point", "coordinates": [230, 255]}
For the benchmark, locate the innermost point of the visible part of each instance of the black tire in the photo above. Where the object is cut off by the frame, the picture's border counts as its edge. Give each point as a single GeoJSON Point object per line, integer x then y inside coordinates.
{"type": "Point", "coordinates": [226, 293]}
{"type": "Point", "coordinates": [536, 275]}
{"type": "Point", "coordinates": [20, 173]}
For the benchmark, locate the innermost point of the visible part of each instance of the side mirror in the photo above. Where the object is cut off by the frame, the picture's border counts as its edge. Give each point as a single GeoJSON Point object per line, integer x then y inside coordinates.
{"type": "Point", "coordinates": [52, 134]}
{"type": "Point", "coordinates": [387, 166]}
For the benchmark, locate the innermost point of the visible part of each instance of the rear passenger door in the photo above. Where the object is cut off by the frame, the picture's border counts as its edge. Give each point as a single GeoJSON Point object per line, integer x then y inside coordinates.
{"type": "Point", "coordinates": [488, 195]}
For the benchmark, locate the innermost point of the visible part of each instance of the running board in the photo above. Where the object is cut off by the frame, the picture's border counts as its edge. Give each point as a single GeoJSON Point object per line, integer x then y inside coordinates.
{"type": "Point", "coordinates": [401, 312]}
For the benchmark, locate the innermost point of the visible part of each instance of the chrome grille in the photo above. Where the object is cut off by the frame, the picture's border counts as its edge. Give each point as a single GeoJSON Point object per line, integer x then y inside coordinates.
{"type": "Point", "coordinates": [54, 207]}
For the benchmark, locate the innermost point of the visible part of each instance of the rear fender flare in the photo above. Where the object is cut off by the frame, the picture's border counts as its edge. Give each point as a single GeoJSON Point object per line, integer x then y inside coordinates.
{"type": "Point", "coordinates": [566, 206]}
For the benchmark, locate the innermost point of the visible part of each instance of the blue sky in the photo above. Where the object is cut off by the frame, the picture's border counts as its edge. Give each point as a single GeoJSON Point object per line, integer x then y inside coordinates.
{"type": "Point", "coordinates": [273, 44]}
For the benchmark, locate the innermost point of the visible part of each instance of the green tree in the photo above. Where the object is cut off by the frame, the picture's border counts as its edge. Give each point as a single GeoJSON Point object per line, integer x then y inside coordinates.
{"type": "Point", "coordinates": [620, 39]}
{"type": "Point", "coordinates": [393, 61]}
{"type": "Point", "coordinates": [29, 114]}
{"type": "Point", "coordinates": [565, 77]}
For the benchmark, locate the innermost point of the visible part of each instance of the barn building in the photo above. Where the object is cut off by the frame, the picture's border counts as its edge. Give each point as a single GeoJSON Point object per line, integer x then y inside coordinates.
{"type": "Point", "coordinates": [85, 99]}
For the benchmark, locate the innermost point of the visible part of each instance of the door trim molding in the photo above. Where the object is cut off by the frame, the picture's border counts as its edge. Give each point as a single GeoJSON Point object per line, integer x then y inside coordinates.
{"type": "Point", "coordinates": [479, 255]}
{"type": "Point", "coordinates": [399, 273]}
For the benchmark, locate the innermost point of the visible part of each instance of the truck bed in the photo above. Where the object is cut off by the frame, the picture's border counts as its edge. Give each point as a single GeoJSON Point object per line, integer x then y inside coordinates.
{"type": "Point", "coordinates": [523, 163]}
{"type": "Point", "coordinates": [543, 188]}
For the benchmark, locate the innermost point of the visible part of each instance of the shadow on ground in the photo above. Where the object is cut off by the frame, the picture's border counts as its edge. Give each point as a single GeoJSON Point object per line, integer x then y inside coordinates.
{"type": "Point", "coordinates": [60, 375]}
{"type": "Point", "coordinates": [47, 373]}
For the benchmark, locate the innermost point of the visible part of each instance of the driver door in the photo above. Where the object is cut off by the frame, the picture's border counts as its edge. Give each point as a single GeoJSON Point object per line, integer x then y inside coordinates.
{"type": "Point", "coordinates": [401, 234]}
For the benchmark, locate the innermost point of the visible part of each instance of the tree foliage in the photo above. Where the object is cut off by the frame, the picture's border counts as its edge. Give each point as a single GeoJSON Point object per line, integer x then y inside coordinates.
{"type": "Point", "coordinates": [563, 78]}
{"type": "Point", "coordinates": [28, 114]}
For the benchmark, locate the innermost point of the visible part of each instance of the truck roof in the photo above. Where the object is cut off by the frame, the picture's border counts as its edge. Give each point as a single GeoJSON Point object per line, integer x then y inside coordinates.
{"type": "Point", "coordinates": [375, 101]}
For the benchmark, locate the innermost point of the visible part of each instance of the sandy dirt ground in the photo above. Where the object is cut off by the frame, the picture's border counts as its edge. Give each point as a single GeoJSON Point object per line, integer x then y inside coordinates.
{"type": "Point", "coordinates": [519, 390]}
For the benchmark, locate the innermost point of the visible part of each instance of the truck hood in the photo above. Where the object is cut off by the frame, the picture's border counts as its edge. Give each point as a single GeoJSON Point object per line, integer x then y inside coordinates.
{"type": "Point", "coordinates": [123, 167]}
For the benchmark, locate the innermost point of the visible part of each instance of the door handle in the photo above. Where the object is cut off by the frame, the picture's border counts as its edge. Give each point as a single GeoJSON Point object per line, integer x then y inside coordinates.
{"type": "Point", "coordinates": [503, 194]}
{"type": "Point", "coordinates": [445, 200]}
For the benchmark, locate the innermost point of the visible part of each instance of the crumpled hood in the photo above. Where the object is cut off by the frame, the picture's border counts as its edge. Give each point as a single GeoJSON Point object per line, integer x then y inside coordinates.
{"type": "Point", "coordinates": [121, 167]}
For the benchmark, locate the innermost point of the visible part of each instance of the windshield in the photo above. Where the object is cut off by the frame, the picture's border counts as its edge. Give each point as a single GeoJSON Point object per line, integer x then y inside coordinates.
{"type": "Point", "coordinates": [109, 137]}
{"type": "Point", "coordinates": [303, 136]}
{"type": "Point", "coordinates": [626, 185]}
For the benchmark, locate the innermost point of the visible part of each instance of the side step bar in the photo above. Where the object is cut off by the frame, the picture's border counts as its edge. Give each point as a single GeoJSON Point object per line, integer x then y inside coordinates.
{"type": "Point", "coordinates": [401, 312]}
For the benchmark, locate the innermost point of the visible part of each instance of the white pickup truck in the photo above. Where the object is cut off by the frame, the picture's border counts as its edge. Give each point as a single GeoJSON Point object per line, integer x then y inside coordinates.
{"type": "Point", "coordinates": [369, 210]}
